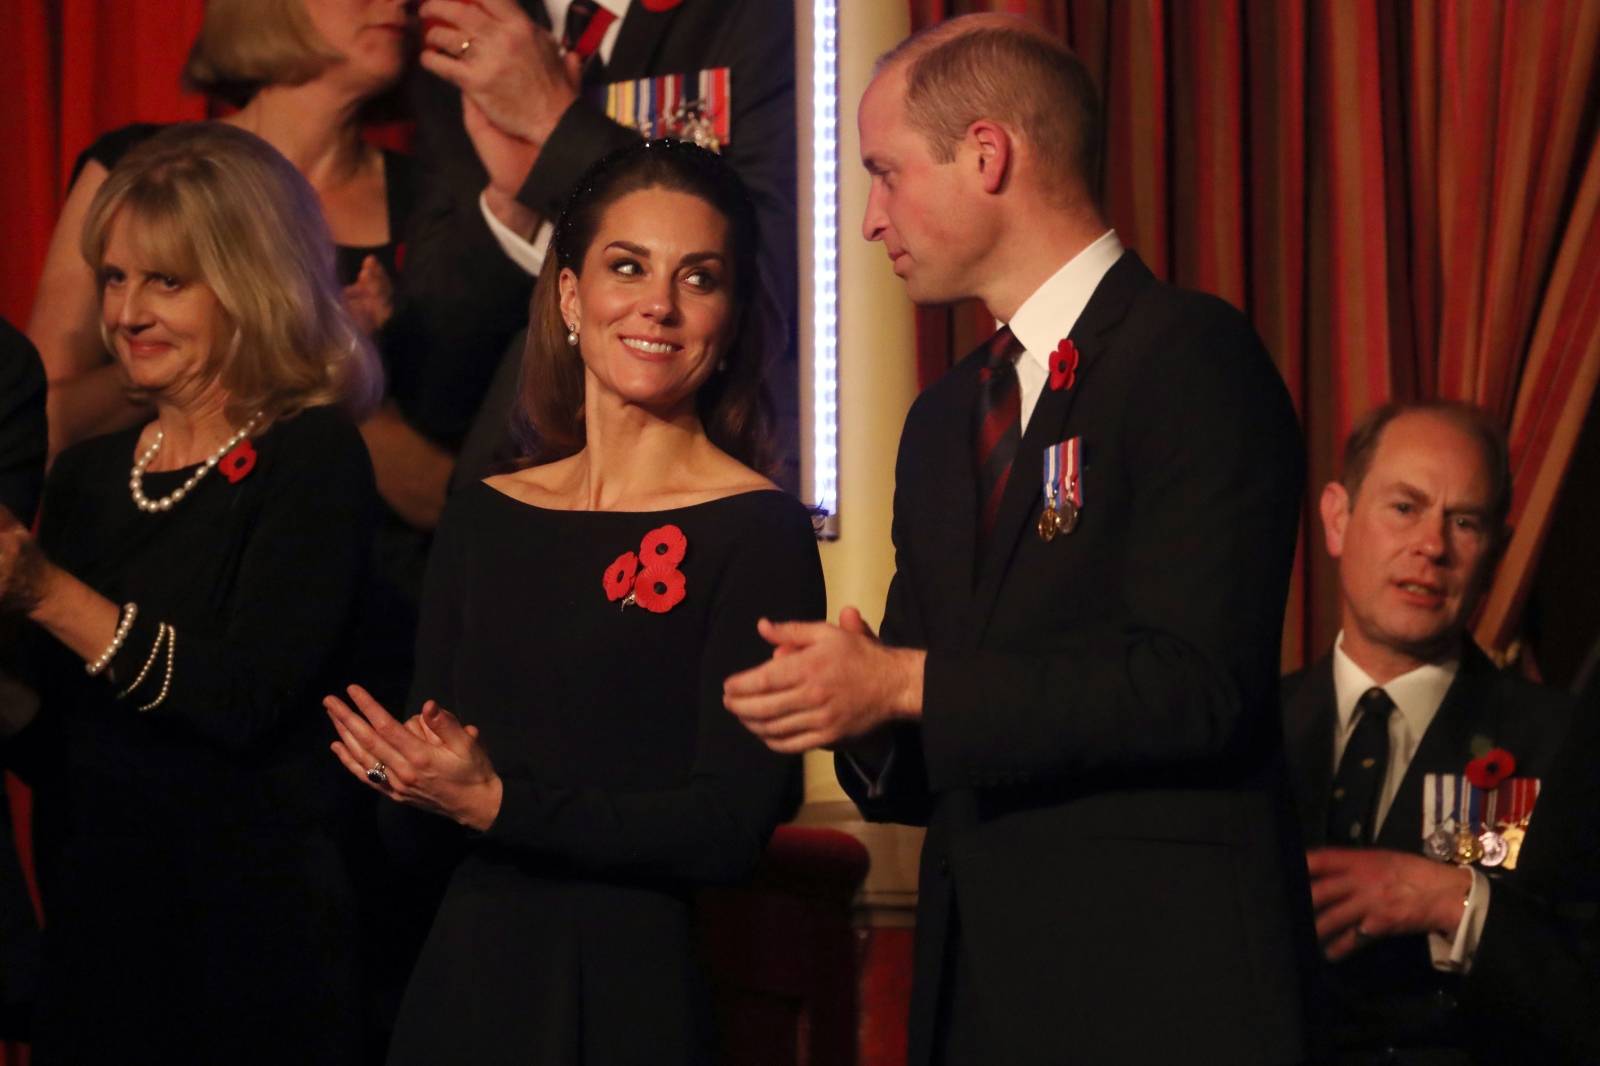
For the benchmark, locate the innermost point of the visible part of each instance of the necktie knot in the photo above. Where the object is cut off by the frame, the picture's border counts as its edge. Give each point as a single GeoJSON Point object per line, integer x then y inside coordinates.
{"type": "Point", "coordinates": [1002, 350]}
{"type": "Point", "coordinates": [1375, 702]}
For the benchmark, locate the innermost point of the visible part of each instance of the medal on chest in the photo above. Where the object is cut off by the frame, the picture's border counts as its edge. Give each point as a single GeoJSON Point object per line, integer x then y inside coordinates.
{"type": "Point", "coordinates": [1063, 489]}
{"type": "Point", "coordinates": [1466, 825]}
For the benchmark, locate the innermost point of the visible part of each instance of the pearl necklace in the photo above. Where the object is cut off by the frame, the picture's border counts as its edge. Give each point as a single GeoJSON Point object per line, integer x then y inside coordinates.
{"type": "Point", "coordinates": [136, 479]}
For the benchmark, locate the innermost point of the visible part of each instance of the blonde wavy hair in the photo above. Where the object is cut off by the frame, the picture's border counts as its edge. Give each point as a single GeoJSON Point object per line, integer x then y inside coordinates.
{"type": "Point", "coordinates": [215, 204]}
{"type": "Point", "coordinates": [245, 44]}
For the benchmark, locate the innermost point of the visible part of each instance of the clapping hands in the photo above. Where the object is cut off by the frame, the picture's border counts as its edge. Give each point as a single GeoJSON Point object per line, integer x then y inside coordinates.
{"type": "Point", "coordinates": [432, 762]}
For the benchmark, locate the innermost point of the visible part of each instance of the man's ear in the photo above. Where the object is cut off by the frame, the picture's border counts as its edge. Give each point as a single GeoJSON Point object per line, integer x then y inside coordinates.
{"type": "Point", "coordinates": [1335, 507]}
{"type": "Point", "coordinates": [994, 151]}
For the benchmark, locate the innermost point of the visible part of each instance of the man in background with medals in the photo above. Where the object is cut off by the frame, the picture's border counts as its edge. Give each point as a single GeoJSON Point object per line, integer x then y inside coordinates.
{"type": "Point", "coordinates": [1416, 763]}
{"type": "Point", "coordinates": [1076, 690]}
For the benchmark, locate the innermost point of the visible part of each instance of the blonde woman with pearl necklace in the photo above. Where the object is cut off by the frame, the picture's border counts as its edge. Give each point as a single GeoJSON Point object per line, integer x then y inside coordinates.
{"type": "Point", "coordinates": [192, 584]}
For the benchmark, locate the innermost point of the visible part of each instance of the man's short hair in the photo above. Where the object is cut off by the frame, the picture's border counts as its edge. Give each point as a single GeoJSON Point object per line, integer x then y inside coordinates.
{"type": "Point", "coordinates": [1007, 69]}
{"type": "Point", "coordinates": [1362, 445]}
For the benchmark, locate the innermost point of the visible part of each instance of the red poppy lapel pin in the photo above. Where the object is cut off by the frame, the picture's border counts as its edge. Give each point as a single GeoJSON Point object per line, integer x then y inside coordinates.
{"type": "Point", "coordinates": [651, 579]}
{"type": "Point", "coordinates": [1064, 365]}
{"type": "Point", "coordinates": [237, 464]}
{"type": "Point", "coordinates": [1490, 769]}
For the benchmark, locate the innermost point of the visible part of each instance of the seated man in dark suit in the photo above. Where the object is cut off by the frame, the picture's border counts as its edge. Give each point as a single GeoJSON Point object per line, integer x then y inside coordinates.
{"type": "Point", "coordinates": [1414, 758]}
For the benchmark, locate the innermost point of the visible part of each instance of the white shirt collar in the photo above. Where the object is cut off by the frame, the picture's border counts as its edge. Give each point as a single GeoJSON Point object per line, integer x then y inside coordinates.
{"type": "Point", "coordinates": [1049, 314]}
{"type": "Point", "coordinates": [1417, 694]}
{"type": "Point", "coordinates": [557, 10]}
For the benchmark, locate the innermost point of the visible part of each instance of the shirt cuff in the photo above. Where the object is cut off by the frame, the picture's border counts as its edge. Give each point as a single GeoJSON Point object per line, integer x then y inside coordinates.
{"type": "Point", "coordinates": [877, 783]}
{"type": "Point", "coordinates": [529, 255]}
{"type": "Point", "coordinates": [1454, 954]}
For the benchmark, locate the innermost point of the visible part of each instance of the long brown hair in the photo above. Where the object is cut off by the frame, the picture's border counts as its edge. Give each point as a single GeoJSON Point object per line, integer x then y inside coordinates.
{"type": "Point", "coordinates": [733, 404]}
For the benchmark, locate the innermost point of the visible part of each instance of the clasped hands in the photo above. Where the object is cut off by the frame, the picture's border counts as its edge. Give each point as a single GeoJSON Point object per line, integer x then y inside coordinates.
{"type": "Point", "coordinates": [1360, 894]}
{"type": "Point", "coordinates": [432, 761]}
{"type": "Point", "coordinates": [825, 686]}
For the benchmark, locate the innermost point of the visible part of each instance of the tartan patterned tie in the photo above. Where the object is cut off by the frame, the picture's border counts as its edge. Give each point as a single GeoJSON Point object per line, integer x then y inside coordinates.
{"type": "Point", "coordinates": [1353, 807]}
{"type": "Point", "coordinates": [585, 27]}
{"type": "Point", "coordinates": [998, 425]}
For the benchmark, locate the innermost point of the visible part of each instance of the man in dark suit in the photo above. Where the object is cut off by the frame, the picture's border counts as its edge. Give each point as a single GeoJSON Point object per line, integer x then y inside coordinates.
{"type": "Point", "coordinates": [1416, 525]}
{"type": "Point", "coordinates": [1076, 688]}
{"type": "Point", "coordinates": [503, 113]}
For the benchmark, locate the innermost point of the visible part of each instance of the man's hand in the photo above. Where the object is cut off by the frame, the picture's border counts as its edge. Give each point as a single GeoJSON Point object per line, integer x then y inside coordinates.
{"type": "Point", "coordinates": [1360, 894]}
{"type": "Point", "coordinates": [506, 64]}
{"type": "Point", "coordinates": [508, 160]}
{"type": "Point", "coordinates": [825, 685]}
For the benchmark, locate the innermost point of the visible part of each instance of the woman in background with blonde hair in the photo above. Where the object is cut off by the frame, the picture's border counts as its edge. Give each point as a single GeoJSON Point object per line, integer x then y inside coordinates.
{"type": "Point", "coordinates": [302, 74]}
{"type": "Point", "coordinates": [193, 583]}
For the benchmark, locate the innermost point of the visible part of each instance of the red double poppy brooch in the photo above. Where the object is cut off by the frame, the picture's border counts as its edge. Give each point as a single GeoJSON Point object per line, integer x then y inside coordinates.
{"type": "Point", "coordinates": [237, 464]}
{"type": "Point", "coordinates": [650, 577]}
{"type": "Point", "coordinates": [1064, 366]}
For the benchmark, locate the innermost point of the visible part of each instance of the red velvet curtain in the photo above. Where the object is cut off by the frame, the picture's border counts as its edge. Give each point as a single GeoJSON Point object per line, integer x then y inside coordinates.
{"type": "Point", "coordinates": [1404, 195]}
{"type": "Point", "coordinates": [75, 69]}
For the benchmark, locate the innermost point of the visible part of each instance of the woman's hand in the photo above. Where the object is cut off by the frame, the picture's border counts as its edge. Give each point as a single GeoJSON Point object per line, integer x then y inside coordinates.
{"type": "Point", "coordinates": [431, 762]}
{"type": "Point", "coordinates": [23, 567]}
{"type": "Point", "coordinates": [370, 297]}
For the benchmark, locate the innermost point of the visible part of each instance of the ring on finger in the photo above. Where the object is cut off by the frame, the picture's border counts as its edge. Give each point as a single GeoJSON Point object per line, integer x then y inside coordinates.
{"type": "Point", "coordinates": [466, 46]}
{"type": "Point", "coordinates": [378, 774]}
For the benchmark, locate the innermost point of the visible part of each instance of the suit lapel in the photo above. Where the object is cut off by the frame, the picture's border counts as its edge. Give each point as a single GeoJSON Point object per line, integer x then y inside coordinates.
{"type": "Point", "coordinates": [1092, 334]}
{"type": "Point", "coordinates": [1308, 740]}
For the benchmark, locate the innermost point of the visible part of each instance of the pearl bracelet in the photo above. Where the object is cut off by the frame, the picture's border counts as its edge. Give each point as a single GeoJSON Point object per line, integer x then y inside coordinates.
{"type": "Point", "coordinates": [124, 623]}
{"type": "Point", "coordinates": [155, 651]}
{"type": "Point", "coordinates": [166, 681]}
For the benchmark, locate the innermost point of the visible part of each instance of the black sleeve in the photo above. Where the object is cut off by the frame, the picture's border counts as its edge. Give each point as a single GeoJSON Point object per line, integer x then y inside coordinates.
{"type": "Point", "coordinates": [111, 147]}
{"type": "Point", "coordinates": [22, 424]}
{"type": "Point", "coordinates": [712, 828]}
{"type": "Point", "coordinates": [439, 627]}
{"type": "Point", "coordinates": [294, 598]}
{"type": "Point", "coordinates": [459, 299]}
{"type": "Point", "coordinates": [904, 797]}
{"type": "Point", "coordinates": [1189, 674]}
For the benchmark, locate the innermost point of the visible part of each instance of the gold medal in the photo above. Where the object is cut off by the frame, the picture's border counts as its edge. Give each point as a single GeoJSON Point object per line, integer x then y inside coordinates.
{"type": "Point", "coordinates": [1513, 836]}
{"type": "Point", "coordinates": [1049, 524]}
{"type": "Point", "coordinates": [1469, 849]}
{"type": "Point", "coordinates": [1069, 517]}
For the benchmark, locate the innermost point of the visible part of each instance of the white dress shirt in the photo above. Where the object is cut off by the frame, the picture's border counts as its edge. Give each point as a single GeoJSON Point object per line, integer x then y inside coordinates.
{"type": "Point", "coordinates": [529, 255]}
{"type": "Point", "coordinates": [1045, 318]}
{"type": "Point", "coordinates": [1417, 696]}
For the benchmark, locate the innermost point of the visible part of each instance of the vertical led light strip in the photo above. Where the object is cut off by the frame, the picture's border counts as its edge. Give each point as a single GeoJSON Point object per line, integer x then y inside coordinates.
{"type": "Point", "coordinates": [825, 261]}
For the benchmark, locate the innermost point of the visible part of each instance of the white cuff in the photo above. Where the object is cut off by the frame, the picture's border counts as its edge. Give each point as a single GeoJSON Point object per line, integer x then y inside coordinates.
{"type": "Point", "coordinates": [875, 784]}
{"type": "Point", "coordinates": [529, 255]}
{"type": "Point", "coordinates": [1455, 954]}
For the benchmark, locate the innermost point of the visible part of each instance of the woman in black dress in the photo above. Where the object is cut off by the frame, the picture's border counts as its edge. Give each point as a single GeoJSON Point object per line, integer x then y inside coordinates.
{"type": "Point", "coordinates": [581, 614]}
{"type": "Point", "coordinates": [193, 582]}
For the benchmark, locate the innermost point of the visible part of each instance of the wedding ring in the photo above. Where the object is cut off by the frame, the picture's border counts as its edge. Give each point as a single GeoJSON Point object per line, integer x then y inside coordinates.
{"type": "Point", "coordinates": [466, 46]}
{"type": "Point", "coordinates": [379, 774]}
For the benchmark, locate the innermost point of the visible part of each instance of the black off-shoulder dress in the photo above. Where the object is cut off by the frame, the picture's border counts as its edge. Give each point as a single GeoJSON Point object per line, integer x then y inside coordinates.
{"type": "Point", "coordinates": [564, 936]}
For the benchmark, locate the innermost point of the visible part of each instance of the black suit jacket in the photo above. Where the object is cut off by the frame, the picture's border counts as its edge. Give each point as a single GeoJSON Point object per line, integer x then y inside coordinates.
{"type": "Point", "coordinates": [22, 453]}
{"type": "Point", "coordinates": [1538, 963]}
{"type": "Point", "coordinates": [462, 300]}
{"type": "Point", "coordinates": [1388, 995]}
{"type": "Point", "coordinates": [1099, 759]}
